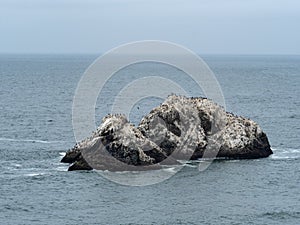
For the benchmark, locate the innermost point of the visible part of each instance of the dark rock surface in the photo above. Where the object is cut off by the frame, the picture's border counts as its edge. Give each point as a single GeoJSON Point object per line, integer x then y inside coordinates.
{"type": "Point", "coordinates": [179, 129]}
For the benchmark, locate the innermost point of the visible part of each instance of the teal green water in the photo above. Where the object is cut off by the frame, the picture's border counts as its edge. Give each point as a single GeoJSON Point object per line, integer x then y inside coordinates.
{"type": "Point", "coordinates": [36, 93]}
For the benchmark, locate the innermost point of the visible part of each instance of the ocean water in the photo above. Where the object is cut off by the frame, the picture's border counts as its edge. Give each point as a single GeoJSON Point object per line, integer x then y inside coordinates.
{"type": "Point", "coordinates": [36, 94]}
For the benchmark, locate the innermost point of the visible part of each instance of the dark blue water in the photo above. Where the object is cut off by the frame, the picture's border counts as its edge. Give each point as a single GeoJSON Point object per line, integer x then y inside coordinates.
{"type": "Point", "coordinates": [36, 94]}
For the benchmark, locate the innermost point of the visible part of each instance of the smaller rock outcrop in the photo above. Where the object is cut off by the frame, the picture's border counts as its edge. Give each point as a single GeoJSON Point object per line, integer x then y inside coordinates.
{"type": "Point", "coordinates": [115, 145]}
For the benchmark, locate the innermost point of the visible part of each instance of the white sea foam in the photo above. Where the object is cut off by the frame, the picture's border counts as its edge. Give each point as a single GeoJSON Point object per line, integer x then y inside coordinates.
{"type": "Point", "coordinates": [62, 154]}
{"type": "Point", "coordinates": [61, 168]}
{"type": "Point", "coordinates": [139, 178]}
{"type": "Point", "coordinates": [17, 165]}
{"type": "Point", "coordinates": [170, 169]}
{"type": "Point", "coordinates": [29, 140]}
{"type": "Point", "coordinates": [234, 160]}
{"type": "Point", "coordinates": [33, 174]}
{"type": "Point", "coordinates": [285, 153]}
{"type": "Point", "coordinates": [190, 165]}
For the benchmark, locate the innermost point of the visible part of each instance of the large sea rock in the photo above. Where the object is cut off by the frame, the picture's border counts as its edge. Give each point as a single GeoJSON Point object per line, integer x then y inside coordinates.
{"type": "Point", "coordinates": [180, 128]}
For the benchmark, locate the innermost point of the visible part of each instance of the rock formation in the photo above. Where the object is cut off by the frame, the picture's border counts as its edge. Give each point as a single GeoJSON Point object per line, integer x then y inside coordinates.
{"type": "Point", "coordinates": [179, 129]}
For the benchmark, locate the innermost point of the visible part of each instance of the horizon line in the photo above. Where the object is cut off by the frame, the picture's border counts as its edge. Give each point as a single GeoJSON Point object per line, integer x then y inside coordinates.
{"type": "Point", "coordinates": [101, 53]}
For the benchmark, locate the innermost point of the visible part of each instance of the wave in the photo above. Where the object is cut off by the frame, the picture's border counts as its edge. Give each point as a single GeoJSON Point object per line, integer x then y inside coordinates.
{"type": "Point", "coordinates": [62, 154]}
{"type": "Point", "coordinates": [62, 168]}
{"type": "Point", "coordinates": [170, 169]}
{"type": "Point", "coordinates": [285, 153]}
{"type": "Point", "coordinates": [34, 174]}
{"type": "Point", "coordinates": [29, 140]}
{"type": "Point", "coordinates": [282, 215]}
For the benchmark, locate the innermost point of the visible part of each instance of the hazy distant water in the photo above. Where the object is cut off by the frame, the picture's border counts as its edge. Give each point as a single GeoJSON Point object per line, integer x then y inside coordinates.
{"type": "Point", "coordinates": [36, 94]}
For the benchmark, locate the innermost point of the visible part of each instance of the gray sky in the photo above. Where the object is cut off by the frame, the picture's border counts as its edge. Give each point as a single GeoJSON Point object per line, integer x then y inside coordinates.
{"type": "Point", "coordinates": [204, 26]}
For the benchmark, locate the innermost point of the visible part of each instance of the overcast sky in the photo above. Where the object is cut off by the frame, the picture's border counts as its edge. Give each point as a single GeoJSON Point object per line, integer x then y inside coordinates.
{"type": "Point", "coordinates": [204, 26]}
